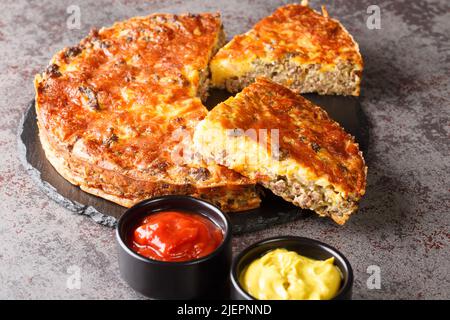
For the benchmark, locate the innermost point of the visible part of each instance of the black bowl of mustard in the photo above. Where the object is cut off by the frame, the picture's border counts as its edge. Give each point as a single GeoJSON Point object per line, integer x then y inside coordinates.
{"type": "Point", "coordinates": [204, 277]}
{"type": "Point", "coordinates": [306, 247]}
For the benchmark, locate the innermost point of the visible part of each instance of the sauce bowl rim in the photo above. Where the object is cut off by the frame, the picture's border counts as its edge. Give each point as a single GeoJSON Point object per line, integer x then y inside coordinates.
{"type": "Point", "coordinates": [210, 207]}
{"type": "Point", "coordinates": [347, 285]}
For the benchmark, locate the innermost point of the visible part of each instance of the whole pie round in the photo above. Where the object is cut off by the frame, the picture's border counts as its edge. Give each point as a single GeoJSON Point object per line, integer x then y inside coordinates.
{"type": "Point", "coordinates": [116, 113]}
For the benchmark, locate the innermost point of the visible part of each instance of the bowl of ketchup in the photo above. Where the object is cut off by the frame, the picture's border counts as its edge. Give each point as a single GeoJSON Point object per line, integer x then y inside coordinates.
{"type": "Point", "coordinates": [175, 247]}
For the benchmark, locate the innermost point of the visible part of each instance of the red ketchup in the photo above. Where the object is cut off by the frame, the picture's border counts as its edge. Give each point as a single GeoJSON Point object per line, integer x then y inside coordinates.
{"type": "Point", "coordinates": [176, 236]}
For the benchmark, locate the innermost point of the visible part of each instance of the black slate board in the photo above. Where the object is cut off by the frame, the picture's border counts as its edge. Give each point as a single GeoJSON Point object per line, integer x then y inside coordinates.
{"type": "Point", "coordinates": [274, 210]}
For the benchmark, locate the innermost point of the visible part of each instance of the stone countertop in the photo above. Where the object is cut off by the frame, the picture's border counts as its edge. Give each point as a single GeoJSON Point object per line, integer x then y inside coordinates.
{"type": "Point", "coordinates": [402, 227]}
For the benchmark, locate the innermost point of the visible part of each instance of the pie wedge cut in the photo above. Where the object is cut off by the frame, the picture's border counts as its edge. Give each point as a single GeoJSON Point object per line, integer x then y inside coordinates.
{"type": "Point", "coordinates": [289, 145]}
{"type": "Point", "coordinates": [295, 46]}
{"type": "Point", "coordinates": [116, 113]}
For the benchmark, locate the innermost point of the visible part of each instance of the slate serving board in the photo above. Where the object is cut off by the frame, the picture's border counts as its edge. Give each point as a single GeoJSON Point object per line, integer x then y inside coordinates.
{"type": "Point", "coordinates": [273, 210]}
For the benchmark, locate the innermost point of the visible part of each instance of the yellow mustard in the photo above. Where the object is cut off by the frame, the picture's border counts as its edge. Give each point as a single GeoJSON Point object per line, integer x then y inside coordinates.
{"type": "Point", "coordinates": [285, 275]}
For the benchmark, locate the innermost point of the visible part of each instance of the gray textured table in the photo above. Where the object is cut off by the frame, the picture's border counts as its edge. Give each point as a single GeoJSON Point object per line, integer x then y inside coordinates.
{"type": "Point", "coordinates": [403, 226]}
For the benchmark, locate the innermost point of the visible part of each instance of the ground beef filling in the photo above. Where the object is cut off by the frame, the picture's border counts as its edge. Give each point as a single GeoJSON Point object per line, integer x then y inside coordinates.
{"type": "Point", "coordinates": [343, 79]}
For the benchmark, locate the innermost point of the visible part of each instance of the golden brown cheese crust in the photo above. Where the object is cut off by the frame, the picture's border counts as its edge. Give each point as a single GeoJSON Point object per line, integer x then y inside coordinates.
{"type": "Point", "coordinates": [306, 133]}
{"type": "Point", "coordinates": [295, 28]}
{"type": "Point", "coordinates": [119, 107]}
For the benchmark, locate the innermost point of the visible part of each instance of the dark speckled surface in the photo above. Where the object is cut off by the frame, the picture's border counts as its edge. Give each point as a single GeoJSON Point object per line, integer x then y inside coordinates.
{"type": "Point", "coordinates": [403, 225]}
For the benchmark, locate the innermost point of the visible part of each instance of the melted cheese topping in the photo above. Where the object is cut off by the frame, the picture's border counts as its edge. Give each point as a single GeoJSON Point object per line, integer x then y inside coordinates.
{"type": "Point", "coordinates": [312, 147]}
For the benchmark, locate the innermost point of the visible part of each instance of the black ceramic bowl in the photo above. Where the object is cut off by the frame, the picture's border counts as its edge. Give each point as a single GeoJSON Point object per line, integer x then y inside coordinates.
{"type": "Point", "coordinates": [206, 277]}
{"type": "Point", "coordinates": [304, 246]}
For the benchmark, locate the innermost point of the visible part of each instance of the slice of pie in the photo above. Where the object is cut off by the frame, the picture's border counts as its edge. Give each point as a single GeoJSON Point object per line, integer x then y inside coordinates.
{"type": "Point", "coordinates": [116, 113]}
{"type": "Point", "coordinates": [289, 145]}
{"type": "Point", "coordinates": [295, 46]}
